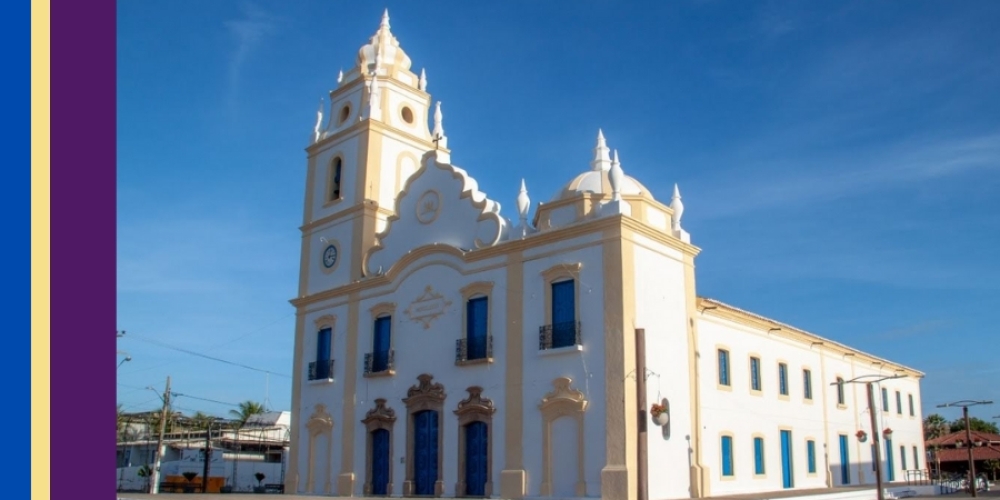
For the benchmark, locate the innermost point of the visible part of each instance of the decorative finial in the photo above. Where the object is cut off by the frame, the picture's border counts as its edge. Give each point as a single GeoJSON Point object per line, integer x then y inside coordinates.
{"type": "Point", "coordinates": [615, 177]}
{"type": "Point", "coordinates": [385, 20]}
{"type": "Point", "coordinates": [319, 120]}
{"type": "Point", "coordinates": [422, 85]}
{"type": "Point", "coordinates": [438, 131]}
{"type": "Point", "coordinates": [678, 207]}
{"type": "Point", "coordinates": [523, 203]}
{"type": "Point", "coordinates": [601, 160]}
{"type": "Point", "coordinates": [340, 76]}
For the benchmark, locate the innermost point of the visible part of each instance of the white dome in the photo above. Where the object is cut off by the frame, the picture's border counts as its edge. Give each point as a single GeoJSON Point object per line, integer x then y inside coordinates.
{"type": "Point", "coordinates": [596, 181]}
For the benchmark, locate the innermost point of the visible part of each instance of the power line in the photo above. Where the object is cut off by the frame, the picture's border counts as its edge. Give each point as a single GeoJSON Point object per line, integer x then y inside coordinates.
{"type": "Point", "coordinates": [178, 395]}
{"type": "Point", "coordinates": [200, 355]}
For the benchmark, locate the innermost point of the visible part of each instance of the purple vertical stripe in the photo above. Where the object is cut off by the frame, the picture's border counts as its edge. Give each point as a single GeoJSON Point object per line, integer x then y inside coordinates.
{"type": "Point", "coordinates": [83, 248]}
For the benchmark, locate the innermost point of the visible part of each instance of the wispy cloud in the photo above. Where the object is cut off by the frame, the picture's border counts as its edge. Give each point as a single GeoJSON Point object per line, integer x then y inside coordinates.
{"type": "Point", "coordinates": [782, 182]}
{"type": "Point", "coordinates": [247, 32]}
{"type": "Point", "coordinates": [920, 329]}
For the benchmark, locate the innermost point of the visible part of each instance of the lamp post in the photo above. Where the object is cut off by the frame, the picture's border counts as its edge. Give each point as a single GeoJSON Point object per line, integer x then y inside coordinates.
{"type": "Point", "coordinates": [965, 404]}
{"type": "Point", "coordinates": [870, 387]}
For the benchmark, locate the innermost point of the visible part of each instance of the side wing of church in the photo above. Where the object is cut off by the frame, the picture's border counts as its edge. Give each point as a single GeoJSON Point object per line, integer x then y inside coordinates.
{"type": "Point", "coordinates": [444, 349]}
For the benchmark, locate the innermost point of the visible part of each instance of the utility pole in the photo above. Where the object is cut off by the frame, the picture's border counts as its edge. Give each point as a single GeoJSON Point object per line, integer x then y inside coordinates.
{"type": "Point", "coordinates": [965, 404]}
{"type": "Point", "coordinates": [640, 386]}
{"type": "Point", "coordinates": [154, 486]}
{"type": "Point", "coordinates": [208, 457]}
{"type": "Point", "coordinates": [875, 438]}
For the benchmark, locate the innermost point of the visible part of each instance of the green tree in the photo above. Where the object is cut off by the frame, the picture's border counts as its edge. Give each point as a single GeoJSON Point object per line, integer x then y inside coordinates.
{"type": "Point", "coordinates": [200, 420]}
{"type": "Point", "coordinates": [935, 426]}
{"type": "Point", "coordinates": [975, 424]}
{"type": "Point", "coordinates": [993, 466]}
{"type": "Point", "coordinates": [246, 410]}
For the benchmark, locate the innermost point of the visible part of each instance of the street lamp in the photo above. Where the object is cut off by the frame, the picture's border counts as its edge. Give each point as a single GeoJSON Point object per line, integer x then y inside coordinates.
{"type": "Point", "coordinates": [126, 358]}
{"type": "Point", "coordinates": [869, 385]}
{"type": "Point", "coordinates": [965, 404]}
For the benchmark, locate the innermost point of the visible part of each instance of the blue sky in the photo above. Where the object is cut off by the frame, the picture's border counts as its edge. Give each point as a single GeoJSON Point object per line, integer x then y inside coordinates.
{"type": "Point", "coordinates": [839, 162]}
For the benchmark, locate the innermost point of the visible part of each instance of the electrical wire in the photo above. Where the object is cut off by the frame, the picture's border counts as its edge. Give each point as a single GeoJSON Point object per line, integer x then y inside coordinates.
{"type": "Point", "coordinates": [201, 355]}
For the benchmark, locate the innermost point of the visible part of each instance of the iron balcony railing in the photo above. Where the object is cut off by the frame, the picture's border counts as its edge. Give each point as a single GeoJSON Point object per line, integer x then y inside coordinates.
{"type": "Point", "coordinates": [557, 335]}
{"type": "Point", "coordinates": [470, 351]}
{"type": "Point", "coordinates": [321, 370]}
{"type": "Point", "coordinates": [378, 362]}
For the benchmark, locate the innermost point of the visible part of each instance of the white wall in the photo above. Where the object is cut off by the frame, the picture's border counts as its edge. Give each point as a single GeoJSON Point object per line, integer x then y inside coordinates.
{"type": "Point", "coordinates": [661, 310]}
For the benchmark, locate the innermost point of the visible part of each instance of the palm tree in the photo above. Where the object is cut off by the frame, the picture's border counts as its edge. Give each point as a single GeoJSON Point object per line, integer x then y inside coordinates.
{"type": "Point", "coordinates": [247, 409]}
{"type": "Point", "coordinates": [935, 426]}
{"type": "Point", "coordinates": [201, 420]}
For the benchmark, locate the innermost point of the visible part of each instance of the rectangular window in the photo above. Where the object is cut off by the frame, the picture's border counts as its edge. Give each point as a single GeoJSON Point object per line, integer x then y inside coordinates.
{"type": "Point", "coordinates": [335, 179]}
{"type": "Point", "coordinates": [783, 379]}
{"type": "Point", "coordinates": [902, 456]}
{"type": "Point", "coordinates": [758, 455]}
{"type": "Point", "coordinates": [723, 367]}
{"type": "Point", "coordinates": [564, 328]}
{"type": "Point", "coordinates": [840, 391]}
{"type": "Point", "coordinates": [807, 383]}
{"type": "Point", "coordinates": [899, 403]}
{"type": "Point", "coordinates": [381, 344]}
{"type": "Point", "coordinates": [755, 374]}
{"type": "Point", "coordinates": [885, 399]}
{"type": "Point", "coordinates": [845, 460]}
{"type": "Point", "coordinates": [727, 456]}
{"type": "Point", "coordinates": [476, 322]}
{"type": "Point", "coordinates": [811, 455]}
{"type": "Point", "coordinates": [910, 397]}
{"type": "Point", "coordinates": [916, 458]}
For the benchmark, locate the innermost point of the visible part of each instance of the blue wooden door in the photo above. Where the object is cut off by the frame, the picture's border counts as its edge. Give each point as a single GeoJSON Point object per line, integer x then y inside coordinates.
{"type": "Point", "coordinates": [476, 453]}
{"type": "Point", "coordinates": [476, 318]}
{"type": "Point", "coordinates": [786, 459]}
{"type": "Point", "coordinates": [380, 462]}
{"type": "Point", "coordinates": [563, 314]}
{"type": "Point", "coordinates": [425, 452]}
{"type": "Point", "coordinates": [382, 341]}
{"type": "Point", "coordinates": [845, 462]}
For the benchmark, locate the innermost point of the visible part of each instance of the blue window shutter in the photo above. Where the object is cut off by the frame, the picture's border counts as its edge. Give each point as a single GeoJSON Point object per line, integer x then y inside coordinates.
{"type": "Point", "coordinates": [758, 455]}
{"type": "Point", "coordinates": [381, 343]}
{"type": "Point", "coordinates": [807, 384]}
{"type": "Point", "coordinates": [885, 399]}
{"type": "Point", "coordinates": [727, 456]}
{"type": "Point", "coordinates": [476, 327]}
{"type": "Point", "coordinates": [755, 374]}
{"type": "Point", "coordinates": [323, 342]}
{"type": "Point", "coordinates": [845, 461]}
{"type": "Point", "coordinates": [811, 453]}
{"type": "Point", "coordinates": [783, 379]}
{"type": "Point", "coordinates": [564, 313]}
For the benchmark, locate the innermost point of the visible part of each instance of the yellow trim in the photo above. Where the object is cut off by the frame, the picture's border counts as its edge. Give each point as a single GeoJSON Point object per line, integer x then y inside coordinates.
{"type": "Point", "coordinates": [563, 401]}
{"type": "Point", "coordinates": [320, 424]}
{"type": "Point", "coordinates": [295, 429]}
{"type": "Point", "coordinates": [763, 450]}
{"type": "Point", "coordinates": [345, 482]}
{"type": "Point", "coordinates": [513, 477]}
{"type": "Point", "coordinates": [699, 474]}
{"type": "Point", "coordinates": [343, 214]}
{"type": "Point", "coordinates": [732, 456]}
{"type": "Point", "coordinates": [826, 422]}
{"type": "Point", "coordinates": [760, 376]}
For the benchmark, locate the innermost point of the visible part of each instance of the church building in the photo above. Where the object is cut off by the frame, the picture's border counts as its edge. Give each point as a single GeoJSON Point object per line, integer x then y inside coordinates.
{"type": "Point", "coordinates": [445, 349]}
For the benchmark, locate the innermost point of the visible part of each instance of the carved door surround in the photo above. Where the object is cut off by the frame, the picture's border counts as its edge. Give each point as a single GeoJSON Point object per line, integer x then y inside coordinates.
{"type": "Point", "coordinates": [425, 395]}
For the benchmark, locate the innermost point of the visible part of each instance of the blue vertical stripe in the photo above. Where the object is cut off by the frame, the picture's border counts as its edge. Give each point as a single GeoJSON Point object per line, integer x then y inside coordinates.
{"type": "Point", "coordinates": [476, 327]}
{"type": "Point", "coordinates": [811, 455]}
{"type": "Point", "coordinates": [755, 374]}
{"type": "Point", "coordinates": [845, 461]}
{"type": "Point", "coordinates": [786, 460]}
{"type": "Point", "coordinates": [890, 466]}
{"type": "Point", "coordinates": [727, 456]}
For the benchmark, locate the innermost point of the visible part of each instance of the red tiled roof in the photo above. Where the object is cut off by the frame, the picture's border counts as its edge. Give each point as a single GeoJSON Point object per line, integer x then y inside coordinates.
{"type": "Point", "coordinates": [962, 454]}
{"type": "Point", "coordinates": [949, 440]}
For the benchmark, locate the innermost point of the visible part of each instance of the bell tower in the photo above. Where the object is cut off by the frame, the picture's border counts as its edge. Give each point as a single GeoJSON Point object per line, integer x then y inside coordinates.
{"type": "Point", "coordinates": [362, 151]}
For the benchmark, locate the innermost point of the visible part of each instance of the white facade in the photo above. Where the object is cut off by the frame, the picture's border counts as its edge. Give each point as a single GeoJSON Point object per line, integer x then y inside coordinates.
{"type": "Point", "coordinates": [399, 254]}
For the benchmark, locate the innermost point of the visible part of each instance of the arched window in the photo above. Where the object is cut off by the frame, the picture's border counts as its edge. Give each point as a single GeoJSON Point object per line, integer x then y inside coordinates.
{"type": "Point", "coordinates": [335, 171]}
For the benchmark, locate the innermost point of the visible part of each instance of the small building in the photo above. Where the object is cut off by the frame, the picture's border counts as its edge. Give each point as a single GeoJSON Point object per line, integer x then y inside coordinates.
{"type": "Point", "coordinates": [949, 454]}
